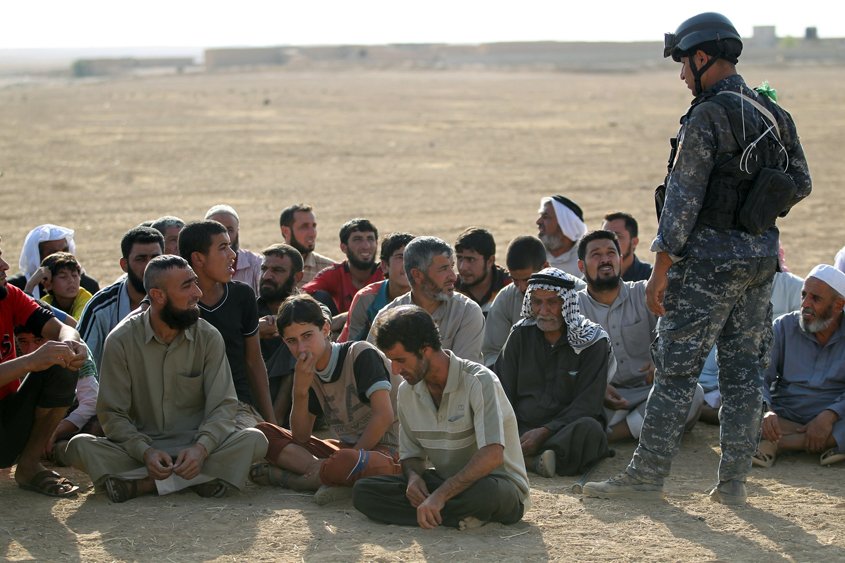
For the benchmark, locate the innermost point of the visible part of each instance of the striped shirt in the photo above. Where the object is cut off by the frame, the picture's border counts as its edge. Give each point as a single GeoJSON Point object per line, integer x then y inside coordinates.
{"type": "Point", "coordinates": [474, 412]}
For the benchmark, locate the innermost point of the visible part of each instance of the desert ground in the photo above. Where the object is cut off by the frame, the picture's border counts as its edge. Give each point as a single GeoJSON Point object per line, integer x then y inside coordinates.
{"type": "Point", "coordinates": [426, 152]}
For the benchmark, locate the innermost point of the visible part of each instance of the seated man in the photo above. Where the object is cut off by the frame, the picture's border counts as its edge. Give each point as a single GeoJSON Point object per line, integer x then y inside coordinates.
{"type": "Point", "coordinates": [351, 385]}
{"type": "Point", "coordinates": [369, 301]}
{"type": "Point", "coordinates": [169, 227]}
{"type": "Point", "coordinates": [247, 263]}
{"type": "Point", "coordinates": [462, 467]}
{"type": "Point", "coordinates": [113, 303]}
{"type": "Point", "coordinates": [627, 231]}
{"type": "Point", "coordinates": [81, 416]}
{"type": "Point", "coordinates": [479, 277]}
{"type": "Point", "coordinates": [526, 255]}
{"type": "Point", "coordinates": [554, 369]}
{"type": "Point", "coordinates": [620, 308]}
{"type": "Point", "coordinates": [30, 411]}
{"type": "Point", "coordinates": [41, 242]}
{"type": "Point", "coordinates": [299, 229]}
{"type": "Point", "coordinates": [167, 403]}
{"type": "Point", "coordinates": [230, 307]}
{"type": "Point", "coordinates": [359, 242]}
{"type": "Point", "coordinates": [560, 226]}
{"type": "Point", "coordinates": [281, 269]}
{"type": "Point", "coordinates": [805, 381]}
{"type": "Point", "coordinates": [429, 266]}
{"type": "Point", "coordinates": [59, 276]}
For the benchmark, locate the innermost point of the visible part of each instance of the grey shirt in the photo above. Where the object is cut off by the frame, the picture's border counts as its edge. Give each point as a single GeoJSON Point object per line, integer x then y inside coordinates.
{"type": "Point", "coordinates": [631, 326]}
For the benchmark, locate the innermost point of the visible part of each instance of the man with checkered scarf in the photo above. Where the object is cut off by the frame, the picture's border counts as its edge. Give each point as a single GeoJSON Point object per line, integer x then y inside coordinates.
{"type": "Point", "coordinates": [554, 369]}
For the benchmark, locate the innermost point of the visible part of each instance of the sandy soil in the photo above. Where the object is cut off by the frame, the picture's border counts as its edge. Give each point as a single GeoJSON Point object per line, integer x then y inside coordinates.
{"type": "Point", "coordinates": [424, 152]}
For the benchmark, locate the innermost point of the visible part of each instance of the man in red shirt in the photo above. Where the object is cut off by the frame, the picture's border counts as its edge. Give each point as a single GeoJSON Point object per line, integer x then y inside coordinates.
{"type": "Point", "coordinates": [30, 410]}
{"type": "Point", "coordinates": [337, 285]}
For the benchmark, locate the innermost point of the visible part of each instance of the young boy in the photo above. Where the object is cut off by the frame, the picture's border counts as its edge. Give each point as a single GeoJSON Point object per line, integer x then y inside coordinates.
{"type": "Point", "coordinates": [231, 308]}
{"type": "Point", "coordinates": [351, 385]}
{"type": "Point", "coordinates": [60, 275]}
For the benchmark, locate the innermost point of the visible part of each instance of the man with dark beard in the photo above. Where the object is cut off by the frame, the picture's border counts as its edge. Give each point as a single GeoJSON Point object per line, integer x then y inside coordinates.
{"type": "Point", "coordinates": [167, 403]}
{"type": "Point", "coordinates": [281, 269]}
{"type": "Point", "coordinates": [112, 304]}
{"type": "Point", "coordinates": [628, 231]}
{"type": "Point", "coordinates": [299, 229]}
{"type": "Point", "coordinates": [359, 242]}
{"type": "Point", "coordinates": [430, 269]}
{"type": "Point", "coordinates": [804, 390]}
{"type": "Point", "coordinates": [479, 277]}
{"type": "Point", "coordinates": [620, 308]}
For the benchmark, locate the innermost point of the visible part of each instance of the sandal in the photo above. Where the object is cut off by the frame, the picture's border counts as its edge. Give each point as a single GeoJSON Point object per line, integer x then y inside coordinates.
{"type": "Point", "coordinates": [50, 483]}
{"type": "Point", "coordinates": [832, 456]}
{"type": "Point", "coordinates": [212, 489]}
{"type": "Point", "coordinates": [766, 454]}
{"type": "Point", "coordinates": [265, 474]}
{"type": "Point", "coordinates": [120, 490]}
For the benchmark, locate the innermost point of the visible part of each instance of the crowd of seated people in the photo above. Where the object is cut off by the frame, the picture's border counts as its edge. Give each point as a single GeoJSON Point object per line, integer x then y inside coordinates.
{"type": "Point", "coordinates": [441, 377]}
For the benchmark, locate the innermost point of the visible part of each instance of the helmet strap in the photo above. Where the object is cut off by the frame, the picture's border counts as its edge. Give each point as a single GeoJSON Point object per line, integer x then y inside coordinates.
{"type": "Point", "coordinates": [697, 73]}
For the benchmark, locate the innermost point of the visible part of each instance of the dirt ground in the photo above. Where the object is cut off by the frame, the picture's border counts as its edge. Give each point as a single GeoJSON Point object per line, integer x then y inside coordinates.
{"type": "Point", "coordinates": [425, 152]}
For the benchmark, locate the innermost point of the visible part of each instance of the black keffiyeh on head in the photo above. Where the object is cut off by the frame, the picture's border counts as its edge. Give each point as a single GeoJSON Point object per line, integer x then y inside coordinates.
{"type": "Point", "coordinates": [580, 332]}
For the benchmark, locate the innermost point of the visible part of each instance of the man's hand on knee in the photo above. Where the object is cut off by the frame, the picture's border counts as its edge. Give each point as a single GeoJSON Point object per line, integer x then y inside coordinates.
{"type": "Point", "coordinates": [428, 513]}
{"type": "Point", "coordinates": [771, 427]}
{"type": "Point", "coordinates": [818, 431]}
{"type": "Point", "coordinates": [533, 439]}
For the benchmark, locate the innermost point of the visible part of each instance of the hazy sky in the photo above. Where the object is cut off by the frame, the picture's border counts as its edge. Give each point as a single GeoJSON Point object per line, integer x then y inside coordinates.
{"type": "Point", "coordinates": [118, 23]}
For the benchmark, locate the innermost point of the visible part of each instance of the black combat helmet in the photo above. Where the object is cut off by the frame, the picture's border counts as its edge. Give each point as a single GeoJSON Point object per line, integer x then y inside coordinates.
{"type": "Point", "coordinates": [710, 32]}
{"type": "Point", "coordinates": [708, 27]}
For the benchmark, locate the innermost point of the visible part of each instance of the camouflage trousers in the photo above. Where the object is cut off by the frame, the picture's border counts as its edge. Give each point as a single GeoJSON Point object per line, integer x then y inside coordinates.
{"type": "Point", "coordinates": [724, 302]}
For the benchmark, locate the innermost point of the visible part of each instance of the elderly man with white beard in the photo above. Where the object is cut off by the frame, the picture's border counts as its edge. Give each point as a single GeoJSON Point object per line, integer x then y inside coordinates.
{"type": "Point", "coordinates": [554, 369]}
{"type": "Point", "coordinates": [560, 226]}
{"type": "Point", "coordinates": [804, 390]}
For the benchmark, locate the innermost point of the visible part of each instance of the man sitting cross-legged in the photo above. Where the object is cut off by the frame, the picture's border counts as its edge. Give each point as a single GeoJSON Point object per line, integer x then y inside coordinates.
{"type": "Point", "coordinates": [167, 403]}
{"type": "Point", "coordinates": [31, 410]}
{"type": "Point", "coordinates": [554, 369]}
{"type": "Point", "coordinates": [620, 308]}
{"type": "Point", "coordinates": [351, 385]}
{"type": "Point", "coordinates": [458, 437]}
{"type": "Point", "coordinates": [804, 390]}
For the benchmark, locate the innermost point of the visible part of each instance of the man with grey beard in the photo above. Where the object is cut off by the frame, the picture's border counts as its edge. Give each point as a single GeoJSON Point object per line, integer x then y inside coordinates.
{"type": "Point", "coordinates": [167, 402]}
{"type": "Point", "coordinates": [554, 369]}
{"type": "Point", "coordinates": [560, 226]}
{"type": "Point", "coordinates": [804, 391]}
{"type": "Point", "coordinates": [430, 268]}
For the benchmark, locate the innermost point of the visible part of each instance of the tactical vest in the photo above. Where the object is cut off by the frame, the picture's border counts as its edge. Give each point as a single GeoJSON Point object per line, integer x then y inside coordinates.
{"type": "Point", "coordinates": [735, 172]}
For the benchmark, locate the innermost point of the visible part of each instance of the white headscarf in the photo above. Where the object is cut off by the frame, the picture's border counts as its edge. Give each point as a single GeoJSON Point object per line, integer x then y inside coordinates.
{"type": "Point", "coordinates": [571, 224]}
{"type": "Point", "coordinates": [581, 332]}
{"type": "Point", "coordinates": [31, 257]}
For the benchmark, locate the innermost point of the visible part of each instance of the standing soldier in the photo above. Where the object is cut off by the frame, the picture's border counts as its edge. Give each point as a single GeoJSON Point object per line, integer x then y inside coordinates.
{"type": "Point", "coordinates": [736, 165]}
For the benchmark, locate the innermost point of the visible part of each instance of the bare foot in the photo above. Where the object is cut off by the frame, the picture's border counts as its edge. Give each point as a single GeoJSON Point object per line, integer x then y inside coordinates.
{"type": "Point", "coordinates": [470, 523]}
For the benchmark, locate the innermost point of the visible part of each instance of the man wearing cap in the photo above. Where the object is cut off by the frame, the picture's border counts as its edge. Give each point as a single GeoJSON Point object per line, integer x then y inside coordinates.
{"type": "Point", "coordinates": [716, 257]}
{"type": "Point", "coordinates": [554, 369]}
{"type": "Point", "coordinates": [560, 226]}
{"type": "Point", "coordinates": [804, 392]}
